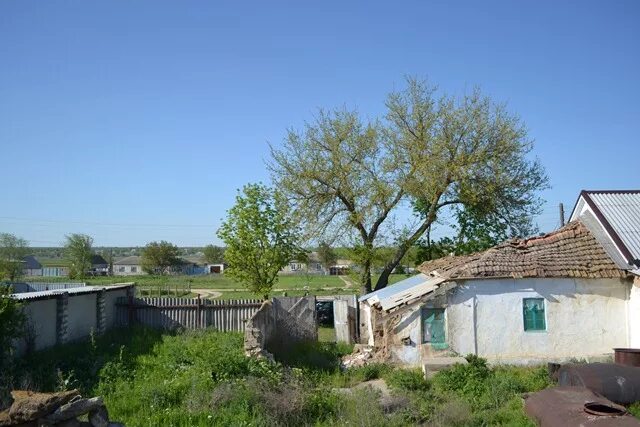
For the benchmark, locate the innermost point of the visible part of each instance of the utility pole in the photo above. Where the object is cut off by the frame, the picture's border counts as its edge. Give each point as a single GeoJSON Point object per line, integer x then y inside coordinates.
{"type": "Point", "coordinates": [561, 215]}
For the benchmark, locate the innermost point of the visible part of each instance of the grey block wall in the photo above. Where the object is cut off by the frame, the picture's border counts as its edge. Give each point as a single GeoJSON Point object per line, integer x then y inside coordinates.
{"type": "Point", "coordinates": [65, 317]}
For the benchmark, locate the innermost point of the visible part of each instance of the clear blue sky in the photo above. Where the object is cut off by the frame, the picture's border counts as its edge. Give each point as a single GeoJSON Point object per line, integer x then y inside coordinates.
{"type": "Point", "coordinates": [135, 121]}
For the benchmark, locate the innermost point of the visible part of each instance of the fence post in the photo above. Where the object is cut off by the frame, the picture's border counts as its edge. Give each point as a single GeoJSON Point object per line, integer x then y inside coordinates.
{"type": "Point", "coordinates": [62, 301]}
{"type": "Point", "coordinates": [198, 312]}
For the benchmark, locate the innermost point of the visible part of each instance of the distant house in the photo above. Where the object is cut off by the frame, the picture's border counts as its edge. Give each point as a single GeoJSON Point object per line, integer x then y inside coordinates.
{"type": "Point", "coordinates": [191, 266]}
{"type": "Point", "coordinates": [32, 266]}
{"type": "Point", "coordinates": [311, 266]}
{"type": "Point", "coordinates": [341, 267]}
{"type": "Point", "coordinates": [132, 265]}
{"type": "Point", "coordinates": [99, 266]}
{"type": "Point", "coordinates": [128, 266]}
{"type": "Point", "coordinates": [55, 270]}
{"type": "Point", "coordinates": [214, 268]}
{"type": "Point", "coordinates": [571, 293]}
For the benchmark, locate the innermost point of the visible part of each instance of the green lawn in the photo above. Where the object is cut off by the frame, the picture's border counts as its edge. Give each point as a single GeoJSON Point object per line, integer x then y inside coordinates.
{"type": "Point", "coordinates": [202, 378]}
{"type": "Point", "coordinates": [293, 285]}
{"type": "Point", "coordinates": [202, 282]}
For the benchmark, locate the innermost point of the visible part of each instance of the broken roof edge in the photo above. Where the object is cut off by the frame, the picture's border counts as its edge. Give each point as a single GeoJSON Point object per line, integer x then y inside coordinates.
{"type": "Point", "coordinates": [533, 257]}
{"type": "Point", "coordinates": [404, 292]}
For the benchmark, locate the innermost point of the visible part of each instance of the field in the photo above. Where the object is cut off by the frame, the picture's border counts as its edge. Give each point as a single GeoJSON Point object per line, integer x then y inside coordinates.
{"type": "Point", "coordinates": [202, 378]}
{"type": "Point", "coordinates": [178, 285]}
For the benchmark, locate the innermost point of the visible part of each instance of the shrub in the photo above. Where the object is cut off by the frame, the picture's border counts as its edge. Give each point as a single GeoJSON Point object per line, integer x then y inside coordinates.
{"type": "Point", "coordinates": [408, 380]}
{"type": "Point", "coordinates": [11, 322]}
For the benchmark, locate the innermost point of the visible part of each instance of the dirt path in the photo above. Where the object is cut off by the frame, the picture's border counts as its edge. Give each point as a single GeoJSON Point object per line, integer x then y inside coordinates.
{"type": "Point", "coordinates": [207, 293]}
{"type": "Point", "coordinates": [347, 281]}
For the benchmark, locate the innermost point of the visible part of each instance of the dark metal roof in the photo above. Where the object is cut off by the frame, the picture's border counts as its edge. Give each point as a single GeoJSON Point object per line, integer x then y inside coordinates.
{"type": "Point", "coordinates": [98, 259]}
{"type": "Point", "coordinates": [31, 263]}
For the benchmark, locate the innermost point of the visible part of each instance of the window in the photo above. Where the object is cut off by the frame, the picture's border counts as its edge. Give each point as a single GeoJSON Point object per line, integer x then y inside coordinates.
{"type": "Point", "coordinates": [121, 269]}
{"type": "Point", "coordinates": [433, 330]}
{"type": "Point", "coordinates": [533, 314]}
{"type": "Point", "coordinates": [134, 269]}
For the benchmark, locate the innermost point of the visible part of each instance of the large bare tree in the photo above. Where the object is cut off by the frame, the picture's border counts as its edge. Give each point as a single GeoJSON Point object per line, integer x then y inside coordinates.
{"type": "Point", "coordinates": [430, 152]}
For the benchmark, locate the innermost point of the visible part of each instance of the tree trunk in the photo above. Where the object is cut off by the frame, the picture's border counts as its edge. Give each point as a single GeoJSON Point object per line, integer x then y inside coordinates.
{"type": "Point", "coordinates": [365, 277]}
{"type": "Point", "coordinates": [402, 250]}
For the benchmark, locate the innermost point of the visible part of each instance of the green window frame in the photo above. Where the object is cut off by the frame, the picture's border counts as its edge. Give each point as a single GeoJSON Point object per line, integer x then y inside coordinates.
{"type": "Point", "coordinates": [433, 326]}
{"type": "Point", "coordinates": [533, 314]}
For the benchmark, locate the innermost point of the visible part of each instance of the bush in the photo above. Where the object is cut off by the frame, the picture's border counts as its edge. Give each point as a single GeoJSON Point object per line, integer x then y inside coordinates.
{"type": "Point", "coordinates": [11, 322]}
{"type": "Point", "coordinates": [407, 380]}
{"type": "Point", "coordinates": [486, 388]}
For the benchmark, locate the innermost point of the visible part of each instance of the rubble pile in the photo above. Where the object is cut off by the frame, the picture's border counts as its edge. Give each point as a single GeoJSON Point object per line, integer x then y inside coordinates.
{"type": "Point", "coordinates": [362, 355]}
{"type": "Point", "coordinates": [62, 409]}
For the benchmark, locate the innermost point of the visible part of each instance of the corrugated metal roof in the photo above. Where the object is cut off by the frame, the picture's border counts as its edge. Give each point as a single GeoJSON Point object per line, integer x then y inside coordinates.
{"type": "Point", "coordinates": [71, 291]}
{"type": "Point", "coordinates": [622, 211]}
{"type": "Point", "coordinates": [403, 291]}
{"type": "Point", "coordinates": [400, 286]}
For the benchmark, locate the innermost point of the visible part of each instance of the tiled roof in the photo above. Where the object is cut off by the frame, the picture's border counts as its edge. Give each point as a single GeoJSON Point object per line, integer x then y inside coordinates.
{"type": "Point", "coordinates": [571, 251]}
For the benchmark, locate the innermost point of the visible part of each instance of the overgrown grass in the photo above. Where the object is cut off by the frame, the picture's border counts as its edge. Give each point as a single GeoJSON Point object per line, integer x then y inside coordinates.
{"type": "Point", "coordinates": [203, 378]}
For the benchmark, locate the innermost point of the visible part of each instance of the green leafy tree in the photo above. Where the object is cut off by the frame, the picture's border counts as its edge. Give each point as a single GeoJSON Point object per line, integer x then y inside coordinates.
{"type": "Point", "coordinates": [160, 257]}
{"type": "Point", "coordinates": [474, 232]}
{"type": "Point", "coordinates": [78, 250]}
{"type": "Point", "coordinates": [213, 254]}
{"type": "Point", "coordinates": [12, 252]}
{"type": "Point", "coordinates": [11, 322]}
{"type": "Point", "coordinates": [326, 255]}
{"type": "Point", "coordinates": [432, 152]}
{"type": "Point", "coordinates": [260, 237]}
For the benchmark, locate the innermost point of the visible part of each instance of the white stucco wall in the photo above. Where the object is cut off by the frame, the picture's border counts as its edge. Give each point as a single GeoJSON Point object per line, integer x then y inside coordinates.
{"type": "Point", "coordinates": [585, 318]}
{"type": "Point", "coordinates": [127, 270]}
{"type": "Point", "coordinates": [634, 314]}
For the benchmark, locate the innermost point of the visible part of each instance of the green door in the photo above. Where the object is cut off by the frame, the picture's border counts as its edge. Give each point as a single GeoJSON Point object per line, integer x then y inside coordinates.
{"type": "Point", "coordinates": [433, 328]}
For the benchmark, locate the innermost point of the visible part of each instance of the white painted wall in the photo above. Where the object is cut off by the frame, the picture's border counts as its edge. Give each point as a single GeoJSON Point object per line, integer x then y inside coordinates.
{"type": "Point", "coordinates": [128, 270]}
{"type": "Point", "coordinates": [585, 318]}
{"type": "Point", "coordinates": [634, 314]}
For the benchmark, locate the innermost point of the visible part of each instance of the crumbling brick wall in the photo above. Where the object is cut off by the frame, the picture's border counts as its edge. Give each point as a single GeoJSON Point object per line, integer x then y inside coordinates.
{"type": "Point", "coordinates": [280, 323]}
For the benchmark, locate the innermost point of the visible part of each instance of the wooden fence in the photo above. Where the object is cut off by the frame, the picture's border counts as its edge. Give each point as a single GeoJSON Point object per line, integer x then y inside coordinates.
{"type": "Point", "coordinates": [193, 313]}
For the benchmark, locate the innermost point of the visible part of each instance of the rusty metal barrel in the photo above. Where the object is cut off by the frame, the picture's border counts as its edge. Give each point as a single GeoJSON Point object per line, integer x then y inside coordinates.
{"type": "Point", "coordinates": [627, 356]}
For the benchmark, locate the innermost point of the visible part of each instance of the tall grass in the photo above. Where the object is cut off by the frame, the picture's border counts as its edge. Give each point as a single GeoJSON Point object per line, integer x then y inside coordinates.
{"type": "Point", "coordinates": [202, 378]}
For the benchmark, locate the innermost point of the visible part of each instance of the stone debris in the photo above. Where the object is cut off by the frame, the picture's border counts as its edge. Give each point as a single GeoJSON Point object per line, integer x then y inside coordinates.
{"type": "Point", "coordinates": [62, 409]}
{"type": "Point", "coordinates": [361, 356]}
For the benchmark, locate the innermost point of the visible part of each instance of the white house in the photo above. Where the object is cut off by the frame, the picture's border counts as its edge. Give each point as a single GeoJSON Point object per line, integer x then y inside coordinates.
{"type": "Point", "coordinates": [128, 266]}
{"type": "Point", "coordinates": [554, 297]}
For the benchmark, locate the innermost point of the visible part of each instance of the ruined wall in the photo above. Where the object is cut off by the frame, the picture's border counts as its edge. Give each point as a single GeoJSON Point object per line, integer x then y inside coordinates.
{"type": "Point", "coordinates": [280, 323]}
{"type": "Point", "coordinates": [400, 335]}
